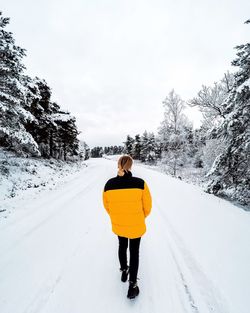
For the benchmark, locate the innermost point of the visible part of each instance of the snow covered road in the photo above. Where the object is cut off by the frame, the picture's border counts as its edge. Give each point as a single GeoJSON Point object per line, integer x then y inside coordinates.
{"type": "Point", "coordinates": [59, 255]}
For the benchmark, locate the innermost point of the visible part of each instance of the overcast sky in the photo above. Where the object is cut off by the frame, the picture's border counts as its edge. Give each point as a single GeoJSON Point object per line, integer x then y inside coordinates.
{"type": "Point", "coordinates": [111, 63]}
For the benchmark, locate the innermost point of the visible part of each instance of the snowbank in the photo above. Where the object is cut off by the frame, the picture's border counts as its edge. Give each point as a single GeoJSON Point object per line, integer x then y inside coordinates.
{"type": "Point", "coordinates": [23, 177]}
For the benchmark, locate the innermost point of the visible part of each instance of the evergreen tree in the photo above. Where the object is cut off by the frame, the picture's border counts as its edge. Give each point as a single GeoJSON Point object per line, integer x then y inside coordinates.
{"type": "Point", "coordinates": [106, 150]}
{"type": "Point", "coordinates": [151, 148]}
{"type": "Point", "coordinates": [128, 145]}
{"type": "Point", "coordinates": [84, 151]}
{"type": "Point", "coordinates": [144, 146]}
{"type": "Point", "coordinates": [196, 148]}
{"type": "Point", "coordinates": [112, 150]}
{"type": "Point", "coordinates": [115, 150]}
{"type": "Point", "coordinates": [136, 150]}
{"type": "Point", "coordinates": [65, 142]}
{"type": "Point", "coordinates": [12, 95]}
{"type": "Point", "coordinates": [54, 130]}
{"type": "Point", "coordinates": [230, 173]}
{"type": "Point", "coordinates": [96, 152]}
{"type": "Point", "coordinates": [159, 148]}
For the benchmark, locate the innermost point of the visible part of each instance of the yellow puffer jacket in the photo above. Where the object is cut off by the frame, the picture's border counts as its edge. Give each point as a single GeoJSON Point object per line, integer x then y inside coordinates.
{"type": "Point", "coordinates": [127, 200]}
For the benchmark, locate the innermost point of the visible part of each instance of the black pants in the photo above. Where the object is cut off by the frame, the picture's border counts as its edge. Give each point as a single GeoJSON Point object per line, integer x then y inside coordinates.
{"type": "Point", "coordinates": [134, 245]}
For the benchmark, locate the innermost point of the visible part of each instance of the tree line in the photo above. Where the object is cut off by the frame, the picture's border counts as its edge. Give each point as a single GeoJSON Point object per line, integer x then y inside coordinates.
{"type": "Point", "coordinates": [98, 151]}
{"type": "Point", "coordinates": [31, 123]}
{"type": "Point", "coordinates": [220, 148]}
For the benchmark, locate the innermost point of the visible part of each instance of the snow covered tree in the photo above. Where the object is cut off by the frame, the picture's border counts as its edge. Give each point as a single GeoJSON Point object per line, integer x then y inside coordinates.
{"type": "Point", "coordinates": [230, 173]}
{"type": "Point", "coordinates": [175, 156]}
{"type": "Point", "coordinates": [30, 122]}
{"type": "Point", "coordinates": [65, 139]}
{"type": "Point", "coordinates": [117, 149]}
{"type": "Point", "coordinates": [96, 152]}
{"type": "Point", "coordinates": [211, 101]}
{"type": "Point", "coordinates": [210, 150]}
{"type": "Point", "coordinates": [112, 150]}
{"type": "Point", "coordinates": [148, 152]}
{"type": "Point", "coordinates": [159, 148]}
{"type": "Point", "coordinates": [172, 132]}
{"type": "Point", "coordinates": [137, 146]}
{"type": "Point", "coordinates": [53, 129]}
{"type": "Point", "coordinates": [196, 147]}
{"type": "Point", "coordinates": [144, 146]}
{"type": "Point", "coordinates": [106, 150]}
{"type": "Point", "coordinates": [151, 148]}
{"type": "Point", "coordinates": [173, 117]}
{"type": "Point", "coordinates": [173, 114]}
{"type": "Point", "coordinates": [84, 151]}
{"type": "Point", "coordinates": [12, 95]}
{"type": "Point", "coordinates": [128, 145]}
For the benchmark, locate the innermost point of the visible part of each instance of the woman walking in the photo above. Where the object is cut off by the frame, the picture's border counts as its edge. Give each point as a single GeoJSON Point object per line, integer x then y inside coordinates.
{"type": "Point", "coordinates": [128, 202]}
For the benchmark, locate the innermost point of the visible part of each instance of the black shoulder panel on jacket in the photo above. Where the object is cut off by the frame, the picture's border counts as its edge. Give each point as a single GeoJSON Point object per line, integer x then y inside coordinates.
{"type": "Point", "coordinates": [121, 182]}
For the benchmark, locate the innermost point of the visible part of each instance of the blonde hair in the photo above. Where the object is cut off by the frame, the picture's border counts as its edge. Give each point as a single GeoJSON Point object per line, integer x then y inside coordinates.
{"type": "Point", "coordinates": [124, 164]}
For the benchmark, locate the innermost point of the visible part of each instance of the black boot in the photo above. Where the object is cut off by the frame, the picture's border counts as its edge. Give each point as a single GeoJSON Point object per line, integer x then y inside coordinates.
{"type": "Point", "coordinates": [124, 276]}
{"type": "Point", "coordinates": [133, 290]}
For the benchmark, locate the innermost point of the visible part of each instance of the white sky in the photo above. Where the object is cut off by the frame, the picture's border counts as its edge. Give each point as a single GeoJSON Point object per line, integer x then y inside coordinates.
{"type": "Point", "coordinates": [112, 63]}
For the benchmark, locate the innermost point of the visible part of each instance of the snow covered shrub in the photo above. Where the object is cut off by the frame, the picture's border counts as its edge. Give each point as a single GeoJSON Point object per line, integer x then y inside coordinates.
{"type": "Point", "coordinates": [4, 171]}
{"type": "Point", "coordinates": [210, 151]}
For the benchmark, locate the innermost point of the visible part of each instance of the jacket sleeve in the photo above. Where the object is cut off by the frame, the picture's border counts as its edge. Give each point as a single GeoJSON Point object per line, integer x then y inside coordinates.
{"type": "Point", "coordinates": [146, 200]}
{"type": "Point", "coordinates": [105, 201]}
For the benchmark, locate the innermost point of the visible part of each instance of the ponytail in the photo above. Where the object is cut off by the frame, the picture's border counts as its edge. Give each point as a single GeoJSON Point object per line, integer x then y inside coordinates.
{"type": "Point", "coordinates": [121, 172]}
{"type": "Point", "coordinates": [124, 164]}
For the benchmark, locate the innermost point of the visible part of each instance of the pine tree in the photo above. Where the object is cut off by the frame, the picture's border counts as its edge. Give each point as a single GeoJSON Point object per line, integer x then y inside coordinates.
{"type": "Point", "coordinates": [195, 148]}
{"type": "Point", "coordinates": [152, 147]}
{"type": "Point", "coordinates": [12, 95]}
{"type": "Point", "coordinates": [159, 148]}
{"type": "Point", "coordinates": [53, 129]}
{"type": "Point", "coordinates": [66, 142]}
{"type": "Point", "coordinates": [11, 69]}
{"type": "Point", "coordinates": [136, 150]}
{"type": "Point", "coordinates": [230, 173]}
{"type": "Point", "coordinates": [96, 152]}
{"type": "Point", "coordinates": [106, 150]}
{"type": "Point", "coordinates": [30, 122]}
{"type": "Point", "coordinates": [128, 145]}
{"type": "Point", "coordinates": [84, 151]}
{"type": "Point", "coordinates": [144, 146]}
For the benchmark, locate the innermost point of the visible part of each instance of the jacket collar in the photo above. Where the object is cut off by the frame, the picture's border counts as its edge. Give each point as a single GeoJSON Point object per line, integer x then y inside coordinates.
{"type": "Point", "coordinates": [126, 174]}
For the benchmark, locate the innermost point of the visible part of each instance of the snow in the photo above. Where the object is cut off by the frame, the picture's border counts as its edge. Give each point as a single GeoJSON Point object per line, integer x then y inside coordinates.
{"type": "Point", "coordinates": [21, 138]}
{"type": "Point", "coordinates": [21, 135]}
{"type": "Point", "coordinates": [9, 98]}
{"type": "Point", "coordinates": [3, 106]}
{"type": "Point", "coordinates": [26, 115]}
{"type": "Point", "coordinates": [20, 177]}
{"type": "Point", "coordinates": [64, 117]}
{"type": "Point", "coordinates": [245, 84]}
{"type": "Point", "coordinates": [60, 255]}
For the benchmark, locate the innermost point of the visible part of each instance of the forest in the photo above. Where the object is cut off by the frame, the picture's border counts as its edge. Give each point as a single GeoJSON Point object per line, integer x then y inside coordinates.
{"type": "Point", "coordinates": [216, 154]}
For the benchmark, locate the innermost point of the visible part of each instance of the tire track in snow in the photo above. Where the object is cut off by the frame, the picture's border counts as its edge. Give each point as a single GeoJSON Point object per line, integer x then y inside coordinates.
{"type": "Point", "coordinates": [61, 207]}
{"type": "Point", "coordinates": [187, 290]}
{"type": "Point", "coordinates": [6, 254]}
{"type": "Point", "coordinates": [202, 294]}
{"type": "Point", "coordinates": [182, 292]}
{"type": "Point", "coordinates": [44, 201]}
{"type": "Point", "coordinates": [48, 287]}
{"type": "Point", "coordinates": [68, 186]}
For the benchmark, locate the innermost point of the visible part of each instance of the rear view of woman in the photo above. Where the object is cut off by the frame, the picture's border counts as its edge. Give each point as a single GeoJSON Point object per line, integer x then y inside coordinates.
{"type": "Point", "coordinates": [128, 202]}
